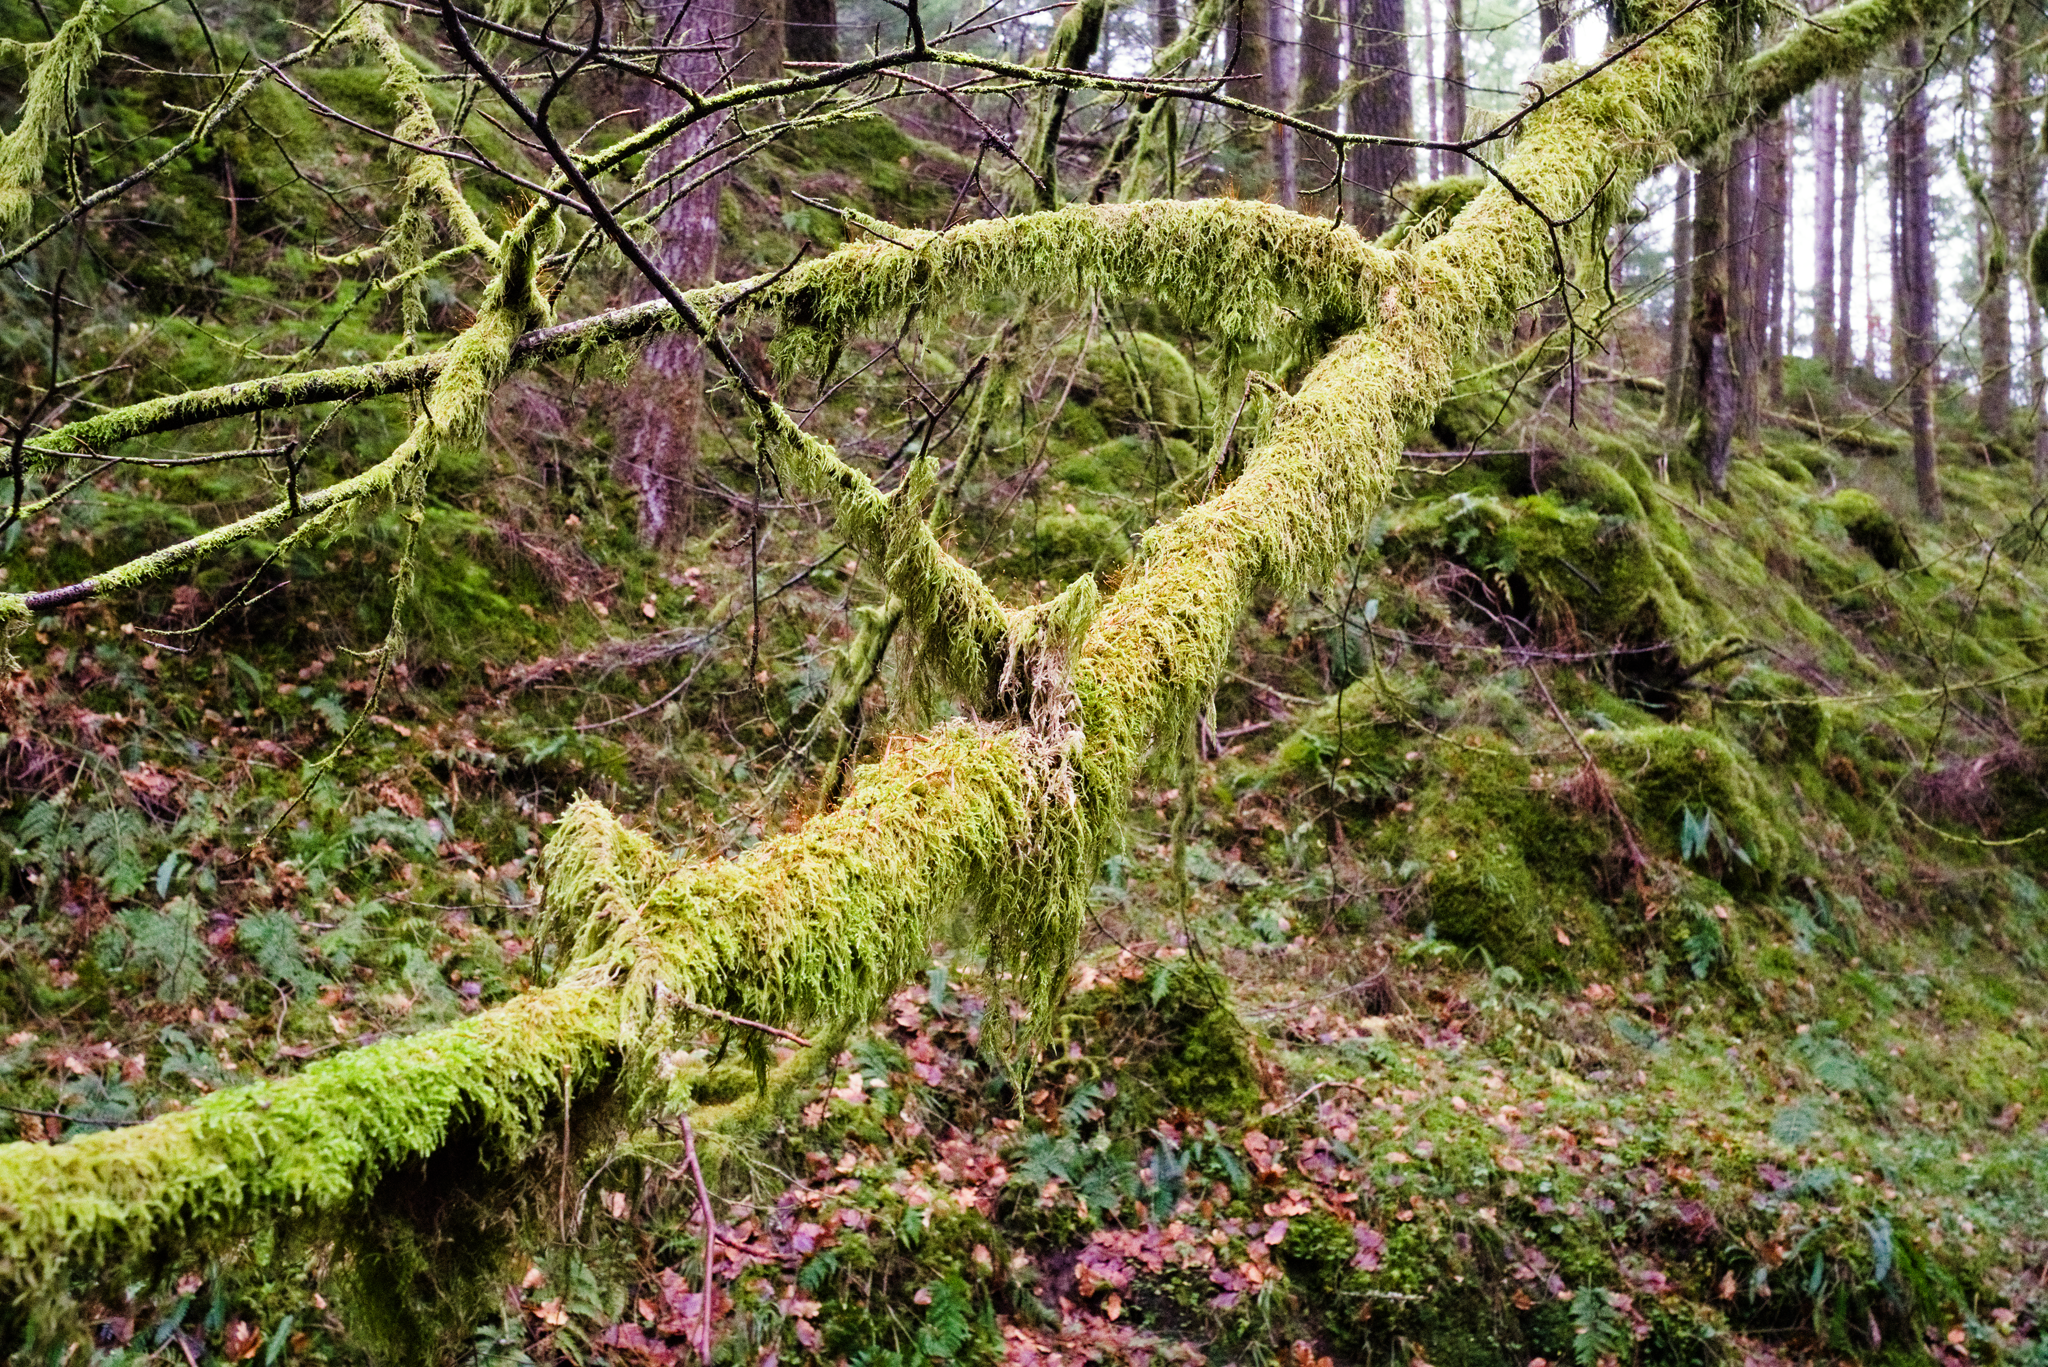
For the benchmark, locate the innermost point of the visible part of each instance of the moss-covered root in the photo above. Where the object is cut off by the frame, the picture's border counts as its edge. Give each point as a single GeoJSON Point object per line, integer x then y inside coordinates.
{"type": "Point", "coordinates": [46, 104]}
{"type": "Point", "coordinates": [310, 1147]}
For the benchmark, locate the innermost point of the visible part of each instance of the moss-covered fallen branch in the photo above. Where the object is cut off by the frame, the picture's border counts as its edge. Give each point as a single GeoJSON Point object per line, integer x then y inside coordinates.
{"type": "Point", "coordinates": [1006, 823]}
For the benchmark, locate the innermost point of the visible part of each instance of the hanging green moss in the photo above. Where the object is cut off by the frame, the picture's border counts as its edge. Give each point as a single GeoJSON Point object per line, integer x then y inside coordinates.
{"type": "Point", "coordinates": [47, 102]}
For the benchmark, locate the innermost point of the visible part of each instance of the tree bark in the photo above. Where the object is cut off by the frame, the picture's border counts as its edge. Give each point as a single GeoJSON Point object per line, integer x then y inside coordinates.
{"type": "Point", "coordinates": [810, 30]}
{"type": "Point", "coordinates": [1913, 271]}
{"type": "Point", "coordinates": [1826, 101]}
{"type": "Point", "coordinates": [2007, 226]}
{"type": "Point", "coordinates": [1380, 103]}
{"type": "Point", "coordinates": [1681, 296]}
{"type": "Point", "coordinates": [1554, 29]}
{"type": "Point", "coordinates": [1773, 199]}
{"type": "Point", "coordinates": [1455, 100]}
{"type": "Point", "coordinates": [1710, 390]}
{"type": "Point", "coordinates": [1251, 63]}
{"type": "Point", "coordinates": [1849, 175]}
{"type": "Point", "coordinates": [1319, 77]}
{"type": "Point", "coordinates": [760, 46]}
{"type": "Point", "coordinates": [1740, 225]}
{"type": "Point", "coordinates": [657, 430]}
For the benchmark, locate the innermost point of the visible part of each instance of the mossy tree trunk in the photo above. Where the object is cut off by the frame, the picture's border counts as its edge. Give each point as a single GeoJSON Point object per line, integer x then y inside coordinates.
{"type": "Point", "coordinates": [1709, 396]}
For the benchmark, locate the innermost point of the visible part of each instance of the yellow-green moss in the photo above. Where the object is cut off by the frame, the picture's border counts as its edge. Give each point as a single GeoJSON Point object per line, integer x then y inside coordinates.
{"type": "Point", "coordinates": [47, 102]}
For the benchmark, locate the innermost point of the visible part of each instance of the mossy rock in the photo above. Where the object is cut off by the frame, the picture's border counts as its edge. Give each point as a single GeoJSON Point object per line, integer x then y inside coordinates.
{"type": "Point", "coordinates": [1782, 714]}
{"type": "Point", "coordinates": [1064, 545]}
{"type": "Point", "coordinates": [1670, 771]}
{"type": "Point", "coordinates": [1872, 529]}
{"type": "Point", "coordinates": [1562, 566]}
{"type": "Point", "coordinates": [1203, 1063]}
{"type": "Point", "coordinates": [1505, 865]}
{"type": "Point", "coordinates": [1127, 465]}
{"type": "Point", "coordinates": [1128, 379]}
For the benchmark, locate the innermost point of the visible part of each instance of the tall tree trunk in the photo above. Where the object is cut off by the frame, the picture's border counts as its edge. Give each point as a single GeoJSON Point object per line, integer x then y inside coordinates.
{"type": "Point", "coordinates": [1913, 250]}
{"type": "Point", "coordinates": [1710, 392]}
{"type": "Point", "coordinates": [810, 30]}
{"type": "Point", "coordinates": [1073, 45]}
{"type": "Point", "coordinates": [657, 429]}
{"type": "Point", "coordinates": [1744, 269]}
{"type": "Point", "coordinates": [1849, 176]}
{"type": "Point", "coordinates": [760, 45]}
{"type": "Point", "coordinates": [1675, 372]}
{"type": "Point", "coordinates": [1555, 30]}
{"type": "Point", "coordinates": [1380, 103]}
{"type": "Point", "coordinates": [1286, 58]}
{"type": "Point", "coordinates": [1826, 99]}
{"type": "Point", "coordinates": [1318, 78]}
{"type": "Point", "coordinates": [1774, 200]}
{"type": "Point", "coordinates": [2007, 227]}
{"type": "Point", "coordinates": [1251, 63]}
{"type": "Point", "coordinates": [1454, 82]}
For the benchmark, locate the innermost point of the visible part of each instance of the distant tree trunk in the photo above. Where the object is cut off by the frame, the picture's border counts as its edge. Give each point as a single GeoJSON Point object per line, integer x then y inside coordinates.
{"type": "Point", "coordinates": [1913, 251]}
{"type": "Point", "coordinates": [1074, 40]}
{"type": "Point", "coordinates": [1825, 101]}
{"type": "Point", "coordinates": [1318, 78]}
{"type": "Point", "coordinates": [657, 428]}
{"type": "Point", "coordinates": [810, 30]}
{"type": "Point", "coordinates": [760, 47]}
{"type": "Point", "coordinates": [1743, 272]}
{"type": "Point", "coordinates": [1286, 56]}
{"type": "Point", "coordinates": [1767, 257]}
{"type": "Point", "coordinates": [1165, 21]}
{"type": "Point", "coordinates": [1454, 83]}
{"type": "Point", "coordinates": [1675, 372]}
{"type": "Point", "coordinates": [2007, 227]}
{"type": "Point", "coordinates": [1380, 103]}
{"type": "Point", "coordinates": [1710, 392]}
{"type": "Point", "coordinates": [1251, 63]}
{"type": "Point", "coordinates": [1556, 30]}
{"type": "Point", "coordinates": [2037, 370]}
{"type": "Point", "coordinates": [1849, 176]}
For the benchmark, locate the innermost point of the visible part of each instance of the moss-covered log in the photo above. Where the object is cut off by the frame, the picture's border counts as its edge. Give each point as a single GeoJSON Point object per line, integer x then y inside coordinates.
{"type": "Point", "coordinates": [1005, 822]}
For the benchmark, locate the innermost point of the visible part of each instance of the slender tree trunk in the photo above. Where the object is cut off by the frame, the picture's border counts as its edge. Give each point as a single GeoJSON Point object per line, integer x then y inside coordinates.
{"type": "Point", "coordinates": [1913, 250]}
{"type": "Point", "coordinates": [1319, 73]}
{"type": "Point", "coordinates": [1825, 102]}
{"type": "Point", "coordinates": [810, 30]}
{"type": "Point", "coordinates": [2007, 227]}
{"type": "Point", "coordinates": [1773, 199]}
{"type": "Point", "coordinates": [1675, 372]}
{"type": "Point", "coordinates": [1454, 82]}
{"type": "Point", "coordinates": [1380, 103]}
{"type": "Point", "coordinates": [1165, 21]}
{"type": "Point", "coordinates": [658, 412]}
{"type": "Point", "coordinates": [1710, 392]}
{"type": "Point", "coordinates": [1555, 30]}
{"type": "Point", "coordinates": [1286, 56]}
{"type": "Point", "coordinates": [1744, 271]}
{"type": "Point", "coordinates": [1251, 62]}
{"type": "Point", "coordinates": [1850, 176]}
{"type": "Point", "coordinates": [1433, 167]}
